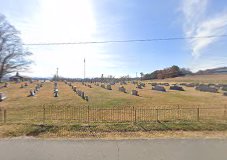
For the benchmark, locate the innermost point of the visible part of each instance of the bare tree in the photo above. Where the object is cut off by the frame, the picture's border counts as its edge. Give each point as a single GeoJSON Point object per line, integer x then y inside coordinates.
{"type": "Point", "coordinates": [13, 57]}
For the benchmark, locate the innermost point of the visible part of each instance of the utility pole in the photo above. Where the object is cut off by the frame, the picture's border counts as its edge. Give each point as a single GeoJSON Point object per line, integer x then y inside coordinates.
{"type": "Point", "coordinates": [57, 75]}
{"type": "Point", "coordinates": [136, 74]}
{"type": "Point", "coordinates": [84, 68]}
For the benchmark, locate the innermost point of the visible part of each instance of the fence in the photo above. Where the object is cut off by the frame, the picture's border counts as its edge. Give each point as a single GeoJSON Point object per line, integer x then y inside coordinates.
{"type": "Point", "coordinates": [71, 114]}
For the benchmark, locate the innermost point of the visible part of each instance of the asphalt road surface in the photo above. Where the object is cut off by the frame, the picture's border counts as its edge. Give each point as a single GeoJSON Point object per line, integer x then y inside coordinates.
{"type": "Point", "coordinates": [153, 149]}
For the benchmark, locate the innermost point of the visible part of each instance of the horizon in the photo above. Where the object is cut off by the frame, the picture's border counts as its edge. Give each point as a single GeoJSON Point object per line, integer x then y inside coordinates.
{"type": "Point", "coordinates": [40, 21]}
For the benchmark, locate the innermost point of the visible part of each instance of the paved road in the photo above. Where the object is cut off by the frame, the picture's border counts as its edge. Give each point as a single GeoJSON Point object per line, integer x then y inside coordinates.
{"type": "Point", "coordinates": [153, 149]}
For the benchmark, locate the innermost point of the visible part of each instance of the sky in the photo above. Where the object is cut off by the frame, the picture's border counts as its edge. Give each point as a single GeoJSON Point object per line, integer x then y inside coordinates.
{"type": "Point", "coordinates": [56, 21]}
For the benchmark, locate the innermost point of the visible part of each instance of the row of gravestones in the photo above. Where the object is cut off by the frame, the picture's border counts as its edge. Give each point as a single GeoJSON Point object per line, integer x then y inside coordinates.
{"type": "Point", "coordinates": [133, 92]}
{"type": "Point", "coordinates": [172, 87]}
{"type": "Point", "coordinates": [80, 93]}
{"type": "Point", "coordinates": [106, 86]}
{"type": "Point", "coordinates": [159, 86]}
{"type": "Point", "coordinates": [213, 88]}
{"type": "Point", "coordinates": [87, 85]}
{"type": "Point", "coordinates": [33, 92]}
{"type": "Point", "coordinates": [77, 91]}
{"type": "Point", "coordinates": [121, 89]}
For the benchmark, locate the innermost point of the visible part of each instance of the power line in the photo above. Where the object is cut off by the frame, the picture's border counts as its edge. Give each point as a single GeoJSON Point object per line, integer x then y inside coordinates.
{"type": "Point", "coordinates": [124, 41]}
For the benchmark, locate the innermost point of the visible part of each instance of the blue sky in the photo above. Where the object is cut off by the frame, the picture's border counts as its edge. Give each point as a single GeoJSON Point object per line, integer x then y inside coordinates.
{"type": "Point", "coordinates": [100, 20]}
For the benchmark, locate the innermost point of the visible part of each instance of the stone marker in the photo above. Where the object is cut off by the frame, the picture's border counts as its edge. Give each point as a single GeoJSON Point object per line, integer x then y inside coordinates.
{"type": "Point", "coordinates": [32, 93]}
{"type": "Point", "coordinates": [175, 87]}
{"type": "Point", "coordinates": [190, 85]}
{"type": "Point", "coordinates": [159, 88]}
{"type": "Point", "coordinates": [139, 86]}
{"type": "Point", "coordinates": [6, 84]}
{"type": "Point", "coordinates": [55, 92]}
{"type": "Point", "coordinates": [108, 87]}
{"type": "Point", "coordinates": [37, 88]}
{"type": "Point", "coordinates": [134, 93]}
{"type": "Point", "coordinates": [206, 88]}
{"type": "Point", "coordinates": [86, 98]}
{"type": "Point", "coordinates": [74, 88]}
{"type": "Point", "coordinates": [2, 96]}
{"type": "Point", "coordinates": [103, 85]}
{"type": "Point", "coordinates": [225, 94]}
{"type": "Point", "coordinates": [122, 89]}
{"type": "Point", "coordinates": [142, 84]}
{"type": "Point", "coordinates": [82, 95]}
{"type": "Point", "coordinates": [224, 88]}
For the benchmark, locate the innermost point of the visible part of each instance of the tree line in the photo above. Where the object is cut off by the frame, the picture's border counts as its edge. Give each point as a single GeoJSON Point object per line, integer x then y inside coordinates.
{"type": "Point", "coordinates": [169, 72]}
{"type": "Point", "coordinates": [13, 56]}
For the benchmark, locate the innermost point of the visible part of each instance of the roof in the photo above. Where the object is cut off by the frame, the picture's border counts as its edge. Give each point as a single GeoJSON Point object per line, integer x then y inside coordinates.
{"type": "Point", "coordinates": [17, 76]}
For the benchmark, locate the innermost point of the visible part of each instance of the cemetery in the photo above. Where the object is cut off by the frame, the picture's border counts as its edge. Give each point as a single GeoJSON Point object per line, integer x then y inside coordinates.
{"type": "Point", "coordinates": [104, 95]}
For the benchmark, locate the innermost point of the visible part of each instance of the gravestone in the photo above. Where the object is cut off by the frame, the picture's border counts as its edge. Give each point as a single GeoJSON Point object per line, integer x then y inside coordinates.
{"type": "Point", "coordinates": [139, 86]}
{"type": "Point", "coordinates": [103, 85]}
{"type": "Point", "coordinates": [55, 92]}
{"type": "Point", "coordinates": [142, 84]}
{"type": "Point", "coordinates": [175, 87]}
{"type": "Point", "coordinates": [224, 88]}
{"type": "Point", "coordinates": [122, 89]}
{"type": "Point", "coordinates": [134, 93]}
{"type": "Point", "coordinates": [108, 87]}
{"type": "Point", "coordinates": [159, 88]}
{"type": "Point", "coordinates": [6, 84]}
{"type": "Point", "coordinates": [82, 95]}
{"type": "Point", "coordinates": [78, 92]}
{"type": "Point", "coordinates": [37, 88]}
{"type": "Point", "coordinates": [2, 96]}
{"type": "Point", "coordinates": [32, 93]}
{"type": "Point", "coordinates": [206, 88]}
{"type": "Point", "coordinates": [74, 88]}
{"type": "Point", "coordinates": [225, 94]}
{"type": "Point", "coordinates": [190, 84]}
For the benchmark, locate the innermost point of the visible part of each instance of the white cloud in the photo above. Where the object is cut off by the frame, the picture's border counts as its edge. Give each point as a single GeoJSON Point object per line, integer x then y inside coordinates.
{"type": "Point", "coordinates": [198, 24]}
{"type": "Point", "coordinates": [65, 21]}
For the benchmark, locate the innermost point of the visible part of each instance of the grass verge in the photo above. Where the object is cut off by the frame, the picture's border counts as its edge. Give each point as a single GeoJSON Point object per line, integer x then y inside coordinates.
{"type": "Point", "coordinates": [106, 129]}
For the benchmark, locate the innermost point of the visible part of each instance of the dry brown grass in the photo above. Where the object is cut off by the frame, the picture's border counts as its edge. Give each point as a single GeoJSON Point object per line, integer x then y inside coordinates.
{"type": "Point", "coordinates": [102, 98]}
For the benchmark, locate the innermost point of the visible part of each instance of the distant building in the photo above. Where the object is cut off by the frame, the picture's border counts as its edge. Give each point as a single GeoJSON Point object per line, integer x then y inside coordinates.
{"type": "Point", "coordinates": [19, 78]}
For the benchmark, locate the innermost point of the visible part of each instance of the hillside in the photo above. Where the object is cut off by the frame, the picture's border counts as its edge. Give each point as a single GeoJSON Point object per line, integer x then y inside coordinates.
{"type": "Point", "coordinates": [220, 70]}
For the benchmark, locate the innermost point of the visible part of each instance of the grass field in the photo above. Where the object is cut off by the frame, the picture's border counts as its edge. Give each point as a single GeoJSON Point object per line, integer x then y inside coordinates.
{"type": "Point", "coordinates": [102, 98]}
{"type": "Point", "coordinates": [18, 101]}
